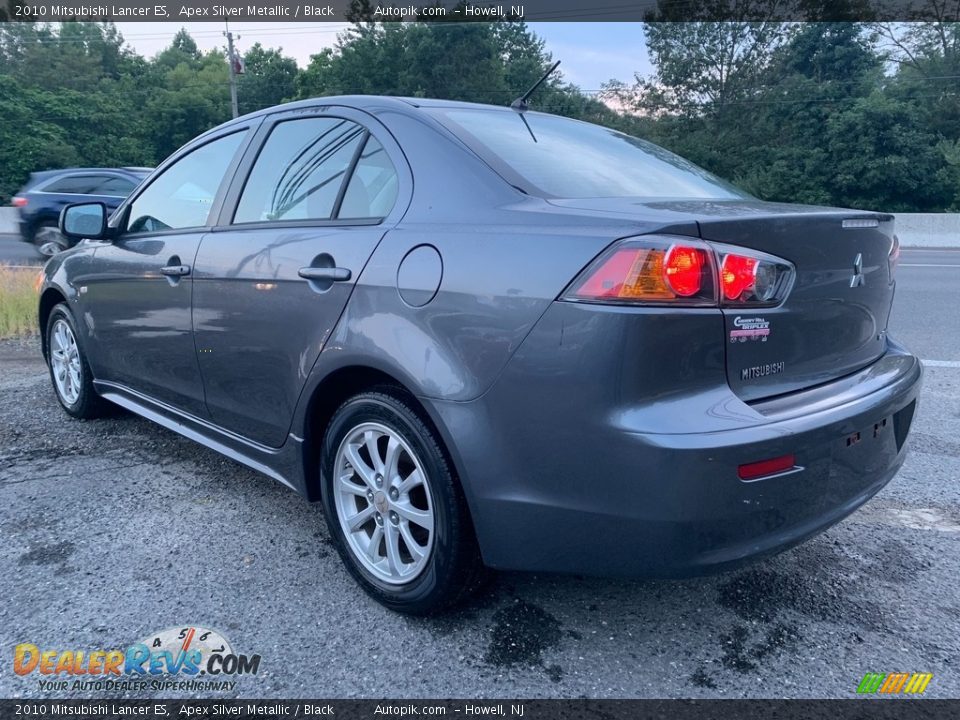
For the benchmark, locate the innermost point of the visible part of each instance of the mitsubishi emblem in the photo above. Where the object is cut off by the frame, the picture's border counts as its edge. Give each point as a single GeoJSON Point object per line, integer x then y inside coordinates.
{"type": "Point", "coordinates": [858, 280]}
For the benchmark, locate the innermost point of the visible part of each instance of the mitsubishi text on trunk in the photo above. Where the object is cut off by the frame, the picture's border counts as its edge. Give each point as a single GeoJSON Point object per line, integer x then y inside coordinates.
{"type": "Point", "coordinates": [492, 338]}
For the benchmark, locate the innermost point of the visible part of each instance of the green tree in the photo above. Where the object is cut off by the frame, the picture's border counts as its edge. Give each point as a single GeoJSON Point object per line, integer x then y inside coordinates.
{"type": "Point", "coordinates": [811, 78]}
{"type": "Point", "coordinates": [703, 67]}
{"type": "Point", "coordinates": [927, 55]}
{"type": "Point", "coordinates": [69, 99]}
{"type": "Point", "coordinates": [479, 62]}
{"type": "Point", "coordinates": [186, 94]}
{"type": "Point", "coordinates": [269, 78]}
{"type": "Point", "coordinates": [883, 158]}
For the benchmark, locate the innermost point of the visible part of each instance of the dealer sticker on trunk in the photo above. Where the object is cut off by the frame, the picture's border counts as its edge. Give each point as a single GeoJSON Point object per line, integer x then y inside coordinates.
{"type": "Point", "coordinates": [750, 328]}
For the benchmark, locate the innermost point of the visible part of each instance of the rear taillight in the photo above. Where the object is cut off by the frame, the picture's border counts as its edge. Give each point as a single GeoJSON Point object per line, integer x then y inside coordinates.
{"type": "Point", "coordinates": [18, 201]}
{"type": "Point", "coordinates": [653, 270]}
{"type": "Point", "coordinates": [660, 269]}
{"type": "Point", "coordinates": [893, 259]}
{"type": "Point", "coordinates": [683, 269]}
{"type": "Point", "coordinates": [752, 279]}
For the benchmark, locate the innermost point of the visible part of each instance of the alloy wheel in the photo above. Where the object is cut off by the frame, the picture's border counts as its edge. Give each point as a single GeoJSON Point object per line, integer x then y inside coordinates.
{"type": "Point", "coordinates": [65, 360]}
{"type": "Point", "coordinates": [49, 241]}
{"type": "Point", "coordinates": [384, 503]}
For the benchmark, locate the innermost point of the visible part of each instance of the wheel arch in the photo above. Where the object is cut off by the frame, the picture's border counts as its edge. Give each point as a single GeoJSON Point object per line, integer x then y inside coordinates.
{"type": "Point", "coordinates": [50, 298]}
{"type": "Point", "coordinates": [335, 389]}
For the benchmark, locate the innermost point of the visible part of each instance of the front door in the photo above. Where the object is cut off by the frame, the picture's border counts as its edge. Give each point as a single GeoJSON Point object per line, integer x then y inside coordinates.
{"type": "Point", "coordinates": [270, 285]}
{"type": "Point", "coordinates": [137, 307]}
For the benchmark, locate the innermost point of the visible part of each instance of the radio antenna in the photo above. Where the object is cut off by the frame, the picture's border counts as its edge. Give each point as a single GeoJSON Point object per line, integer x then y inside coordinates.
{"type": "Point", "coordinates": [520, 104]}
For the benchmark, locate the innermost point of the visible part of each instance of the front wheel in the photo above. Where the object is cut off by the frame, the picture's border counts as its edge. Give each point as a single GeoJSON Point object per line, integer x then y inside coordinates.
{"type": "Point", "coordinates": [394, 508]}
{"type": "Point", "coordinates": [69, 371]}
{"type": "Point", "coordinates": [49, 240]}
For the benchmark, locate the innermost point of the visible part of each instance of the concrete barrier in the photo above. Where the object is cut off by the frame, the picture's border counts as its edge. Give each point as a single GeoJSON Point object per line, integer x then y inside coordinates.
{"type": "Point", "coordinates": [933, 230]}
{"type": "Point", "coordinates": [8, 220]}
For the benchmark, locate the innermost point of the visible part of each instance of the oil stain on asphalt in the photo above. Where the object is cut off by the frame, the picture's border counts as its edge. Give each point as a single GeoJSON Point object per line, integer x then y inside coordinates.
{"type": "Point", "coordinates": [521, 633]}
{"type": "Point", "coordinates": [53, 554]}
{"type": "Point", "coordinates": [742, 655]}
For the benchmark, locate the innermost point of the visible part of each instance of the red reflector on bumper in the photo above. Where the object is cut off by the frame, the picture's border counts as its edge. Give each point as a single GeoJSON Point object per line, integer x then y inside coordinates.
{"type": "Point", "coordinates": [752, 471]}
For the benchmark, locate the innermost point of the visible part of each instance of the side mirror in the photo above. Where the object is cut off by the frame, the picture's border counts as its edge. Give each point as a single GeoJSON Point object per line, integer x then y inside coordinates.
{"type": "Point", "coordinates": [84, 220]}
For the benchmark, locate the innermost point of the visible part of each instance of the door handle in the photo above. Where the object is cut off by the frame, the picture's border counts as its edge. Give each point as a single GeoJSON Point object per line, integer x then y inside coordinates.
{"type": "Point", "coordinates": [175, 270]}
{"type": "Point", "coordinates": [336, 274]}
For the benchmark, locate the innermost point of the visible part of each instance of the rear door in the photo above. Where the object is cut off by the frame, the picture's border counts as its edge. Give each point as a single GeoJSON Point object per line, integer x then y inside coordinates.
{"type": "Point", "coordinates": [834, 320]}
{"type": "Point", "coordinates": [137, 306]}
{"type": "Point", "coordinates": [271, 281]}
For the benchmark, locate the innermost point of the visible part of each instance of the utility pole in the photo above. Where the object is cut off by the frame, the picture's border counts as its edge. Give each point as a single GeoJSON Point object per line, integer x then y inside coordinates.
{"type": "Point", "coordinates": [232, 62]}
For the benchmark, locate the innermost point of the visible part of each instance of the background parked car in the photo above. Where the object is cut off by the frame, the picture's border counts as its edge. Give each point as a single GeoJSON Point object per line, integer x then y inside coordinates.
{"type": "Point", "coordinates": [46, 193]}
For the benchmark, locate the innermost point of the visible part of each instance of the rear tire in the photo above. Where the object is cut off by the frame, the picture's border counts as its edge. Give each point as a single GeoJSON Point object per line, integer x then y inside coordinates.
{"type": "Point", "coordinates": [69, 371]}
{"type": "Point", "coordinates": [394, 507]}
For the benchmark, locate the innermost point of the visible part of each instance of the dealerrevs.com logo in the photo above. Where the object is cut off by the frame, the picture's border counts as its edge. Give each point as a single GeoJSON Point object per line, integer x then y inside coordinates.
{"type": "Point", "coordinates": [185, 658]}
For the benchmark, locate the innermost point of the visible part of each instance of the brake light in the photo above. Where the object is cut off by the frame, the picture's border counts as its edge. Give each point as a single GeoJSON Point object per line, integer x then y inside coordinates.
{"type": "Point", "coordinates": [683, 268]}
{"type": "Point", "coordinates": [893, 259]}
{"type": "Point", "coordinates": [652, 270]}
{"type": "Point", "coordinates": [748, 277]}
{"type": "Point", "coordinates": [737, 275]}
{"type": "Point", "coordinates": [18, 201]}
{"type": "Point", "coordinates": [763, 468]}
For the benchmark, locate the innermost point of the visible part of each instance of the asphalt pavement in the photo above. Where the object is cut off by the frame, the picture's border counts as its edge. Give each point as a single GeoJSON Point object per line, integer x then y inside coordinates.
{"type": "Point", "coordinates": [13, 251]}
{"type": "Point", "coordinates": [115, 529]}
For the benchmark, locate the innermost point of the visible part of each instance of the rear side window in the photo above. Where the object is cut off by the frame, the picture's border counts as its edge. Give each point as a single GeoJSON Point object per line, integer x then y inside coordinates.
{"type": "Point", "coordinates": [75, 184]}
{"type": "Point", "coordinates": [372, 190]}
{"type": "Point", "coordinates": [557, 157]}
{"type": "Point", "coordinates": [182, 196]}
{"type": "Point", "coordinates": [300, 170]}
{"type": "Point", "coordinates": [120, 187]}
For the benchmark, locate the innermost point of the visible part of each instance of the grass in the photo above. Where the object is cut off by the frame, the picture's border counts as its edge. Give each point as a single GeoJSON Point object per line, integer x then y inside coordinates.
{"type": "Point", "coordinates": [18, 302]}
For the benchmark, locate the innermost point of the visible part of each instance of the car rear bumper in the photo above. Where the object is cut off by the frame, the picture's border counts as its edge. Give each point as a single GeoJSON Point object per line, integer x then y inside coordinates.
{"type": "Point", "coordinates": [611, 496]}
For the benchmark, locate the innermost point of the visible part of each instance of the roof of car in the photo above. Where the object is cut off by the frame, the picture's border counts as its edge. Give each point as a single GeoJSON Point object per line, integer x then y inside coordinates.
{"type": "Point", "coordinates": [362, 102]}
{"type": "Point", "coordinates": [70, 171]}
{"type": "Point", "coordinates": [40, 176]}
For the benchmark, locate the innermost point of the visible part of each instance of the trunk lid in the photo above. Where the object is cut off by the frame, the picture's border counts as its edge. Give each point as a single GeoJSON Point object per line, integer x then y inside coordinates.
{"type": "Point", "coordinates": [834, 320]}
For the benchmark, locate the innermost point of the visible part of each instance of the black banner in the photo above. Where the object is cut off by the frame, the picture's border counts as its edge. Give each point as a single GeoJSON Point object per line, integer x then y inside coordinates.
{"type": "Point", "coordinates": [460, 11]}
{"type": "Point", "coordinates": [859, 709]}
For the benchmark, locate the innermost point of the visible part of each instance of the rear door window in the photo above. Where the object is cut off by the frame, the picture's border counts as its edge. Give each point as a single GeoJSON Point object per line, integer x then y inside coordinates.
{"type": "Point", "coordinates": [75, 184]}
{"type": "Point", "coordinates": [372, 190]}
{"type": "Point", "coordinates": [115, 186]}
{"type": "Point", "coordinates": [300, 170]}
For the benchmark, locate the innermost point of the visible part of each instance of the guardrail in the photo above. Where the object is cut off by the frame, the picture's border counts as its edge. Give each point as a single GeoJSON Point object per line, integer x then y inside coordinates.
{"type": "Point", "coordinates": [913, 229]}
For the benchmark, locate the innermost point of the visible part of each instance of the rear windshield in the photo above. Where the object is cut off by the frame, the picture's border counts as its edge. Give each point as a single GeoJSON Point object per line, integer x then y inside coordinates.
{"type": "Point", "coordinates": [553, 156]}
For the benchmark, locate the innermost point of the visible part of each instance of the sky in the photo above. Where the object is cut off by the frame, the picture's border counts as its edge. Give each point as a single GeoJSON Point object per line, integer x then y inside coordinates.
{"type": "Point", "coordinates": [591, 53]}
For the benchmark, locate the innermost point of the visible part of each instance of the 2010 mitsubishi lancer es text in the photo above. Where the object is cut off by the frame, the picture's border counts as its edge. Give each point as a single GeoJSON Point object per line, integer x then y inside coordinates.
{"type": "Point", "coordinates": [487, 337]}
